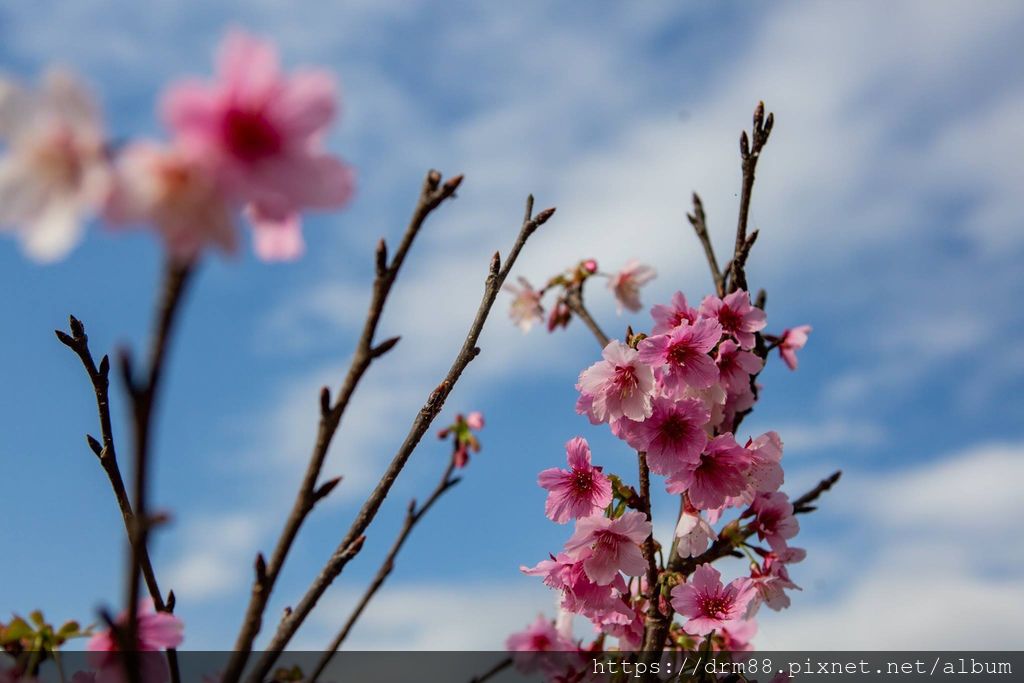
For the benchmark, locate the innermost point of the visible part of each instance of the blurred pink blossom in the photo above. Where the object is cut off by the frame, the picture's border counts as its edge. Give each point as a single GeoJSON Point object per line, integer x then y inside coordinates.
{"type": "Point", "coordinates": [626, 284]}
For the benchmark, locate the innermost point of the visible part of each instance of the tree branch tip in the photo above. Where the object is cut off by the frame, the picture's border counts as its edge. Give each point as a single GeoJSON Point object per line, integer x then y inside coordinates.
{"type": "Point", "coordinates": [384, 347]}
{"type": "Point", "coordinates": [433, 178]}
{"type": "Point", "coordinates": [452, 184]}
{"type": "Point", "coordinates": [744, 145]}
{"type": "Point", "coordinates": [543, 216]}
{"type": "Point", "coordinates": [495, 263]}
{"type": "Point", "coordinates": [529, 208]}
{"type": "Point", "coordinates": [381, 256]}
{"type": "Point", "coordinates": [171, 601]}
{"type": "Point", "coordinates": [65, 339]}
{"type": "Point", "coordinates": [260, 567]}
{"type": "Point", "coordinates": [326, 488]}
{"type": "Point", "coordinates": [76, 326]}
{"type": "Point", "coordinates": [94, 445]}
{"type": "Point", "coordinates": [325, 401]}
{"type": "Point", "coordinates": [104, 365]}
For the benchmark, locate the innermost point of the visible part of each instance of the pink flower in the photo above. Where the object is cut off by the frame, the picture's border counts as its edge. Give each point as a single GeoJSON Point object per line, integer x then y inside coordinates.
{"type": "Point", "coordinates": [580, 594]}
{"type": "Point", "coordinates": [708, 604]}
{"type": "Point", "coordinates": [668, 317]}
{"type": "Point", "coordinates": [684, 351]}
{"type": "Point", "coordinates": [774, 520]}
{"type": "Point", "coordinates": [672, 436]}
{"type": "Point", "coordinates": [618, 386]}
{"type": "Point", "coordinates": [540, 636]}
{"type": "Point", "coordinates": [790, 342]}
{"type": "Point", "coordinates": [156, 631]}
{"type": "Point", "coordinates": [608, 546]}
{"type": "Point", "coordinates": [168, 188]}
{"type": "Point", "coordinates": [579, 491]}
{"type": "Point", "coordinates": [720, 473]}
{"type": "Point", "coordinates": [626, 284]}
{"type": "Point", "coordinates": [735, 366]}
{"type": "Point", "coordinates": [766, 473]}
{"type": "Point", "coordinates": [737, 637]}
{"type": "Point", "coordinates": [694, 533]}
{"type": "Point", "coordinates": [526, 309]}
{"type": "Point", "coordinates": [54, 172]}
{"type": "Point", "coordinates": [737, 316]}
{"type": "Point", "coordinates": [262, 131]}
{"type": "Point", "coordinates": [771, 581]}
{"type": "Point", "coordinates": [475, 420]}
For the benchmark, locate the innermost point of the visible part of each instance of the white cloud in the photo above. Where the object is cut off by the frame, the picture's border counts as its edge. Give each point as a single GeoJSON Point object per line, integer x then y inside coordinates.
{"type": "Point", "coordinates": [217, 551]}
{"type": "Point", "coordinates": [834, 432]}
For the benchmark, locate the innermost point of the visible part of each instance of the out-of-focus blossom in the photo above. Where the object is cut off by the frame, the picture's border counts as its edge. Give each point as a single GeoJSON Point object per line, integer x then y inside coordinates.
{"type": "Point", "coordinates": [790, 342]}
{"type": "Point", "coordinates": [580, 491]}
{"type": "Point", "coordinates": [540, 636]}
{"type": "Point", "coordinates": [618, 386]}
{"type": "Point", "coordinates": [526, 309]}
{"type": "Point", "coordinates": [771, 581]}
{"type": "Point", "coordinates": [684, 353]}
{"type": "Point", "coordinates": [626, 284]}
{"type": "Point", "coordinates": [464, 439]}
{"type": "Point", "coordinates": [668, 317]}
{"type": "Point", "coordinates": [709, 605]}
{"type": "Point", "coordinates": [766, 463]}
{"type": "Point", "coordinates": [608, 546]}
{"type": "Point", "coordinates": [261, 131]}
{"type": "Point", "coordinates": [737, 636]}
{"type": "Point", "coordinates": [54, 170]}
{"type": "Point", "coordinates": [560, 315]}
{"type": "Point", "coordinates": [580, 594]}
{"type": "Point", "coordinates": [156, 631]}
{"type": "Point", "coordinates": [736, 315]}
{"type": "Point", "coordinates": [170, 189]}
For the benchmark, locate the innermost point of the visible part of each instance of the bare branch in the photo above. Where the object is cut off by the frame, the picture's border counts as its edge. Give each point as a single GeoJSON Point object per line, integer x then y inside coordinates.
{"type": "Point", "coordinates": [699, 222]}
{"type": "Point", "coordinates": [574, 299]}
{"type": "Point", "coordinates": [750, 152]}
{"type": "Point", "coordinates": [432, 194]}
{"type": "Point", "coordinates": [412, 516]}
{"type": "Point", "coordinates": [345, 550]}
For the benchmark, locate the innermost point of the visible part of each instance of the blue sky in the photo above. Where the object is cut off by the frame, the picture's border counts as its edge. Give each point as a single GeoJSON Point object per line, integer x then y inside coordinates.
{"type": "Point", "coordinates": [888, 202]}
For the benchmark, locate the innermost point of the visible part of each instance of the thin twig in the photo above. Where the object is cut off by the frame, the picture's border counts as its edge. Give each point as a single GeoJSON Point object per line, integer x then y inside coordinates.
{"type": "Point", "coordinates": [412, 516]}
{"type": "Point", "coordinates": [699, 222]}
{"type": "Point", "coordinates": [648, 544]}
{"type": "Point", "coordinates": [432, 194]}
{"type": "Point", "coordinates": [574, 299]}
{"type": "Point", "coordinates": [750, 151]}
{"type": "Point", "coordinates": [493, 671]}
{"type": "Point", "coordinates": [352, 541]}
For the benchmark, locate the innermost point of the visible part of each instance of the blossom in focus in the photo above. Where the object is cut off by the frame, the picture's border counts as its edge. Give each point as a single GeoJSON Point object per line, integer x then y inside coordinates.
{"type": "Point", "coordinates": [684, 352]}
{"type": "Point", "coordinates": [790, 342]}
{"type": "Point", "coordinates": [618, 386]}
{"type": "Point", "coordinates": [54, 172]}
{"type": "Point", "coordinates": [540, 636]}
{"type": "Point", "coordinates": [170, 189]}
{"type": "Point", "coordinates": [736, 315]}
{"type": "Point", "coordinates": [670, 316]}
{"type": "Point", "coordinates": [580, 491]}
{"type": "Point", "coordinates": [694, 533]}
{"type": "Point", "coordinates": [735, 366]}
{"type": "Point", "coordinates": [774, 519]}
{"type": "Point", "coordinates": [709, 605]}
{"type": "Point", "coordinates": [526, 309]}
{"type": "Point", "coordinates": [608, 546]}
{"type": "Point", "coordinates": [720, 473]}
{"type": "Point", "coordinates": [261, 131]}
{"type": "Point", "coordinates": [672, 436]}
{"type": "Point", "coordinates": [156, 631]}
{"type": "Point", "coordinates": [626, 284]}
{"type": "Point", "coordinates": [580, 594]}
{"type": "Point", "coordinates": [766, 473]}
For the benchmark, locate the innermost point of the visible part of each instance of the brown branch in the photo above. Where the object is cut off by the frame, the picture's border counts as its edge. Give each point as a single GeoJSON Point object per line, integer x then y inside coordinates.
{"type": "Point", "coordinates": [493, 671]}
{"type": "Point", "coordinates": [350, 544]}
{"type": "Point", "coordinates": [699, 222]}
{"type": "Point", "coordinates": [648, 545]}
{"type": "Point", "coordinates": [750, 152]}
{"type": "Point", "coordinates": [574, 299]}
{"type": "Point", "coordinates": [143, 398]}
{"type": "Point", "coordinates": [412, 516]}
{"type": "Point", "coordinates": [432, 194]}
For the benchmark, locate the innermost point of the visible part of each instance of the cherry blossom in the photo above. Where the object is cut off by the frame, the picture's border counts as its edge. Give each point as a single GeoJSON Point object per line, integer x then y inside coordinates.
{"type": "Point", "coordinates": [670, 316]}
{"type": "Point", "coordinates": [626, 284]}
{"type": "Point", "coordinates": [673, 436]}
{"type": "Point", "coordinates": [774, 520]}
{"type": "Point", "coordinates": [579, 491]}
{"type": "Point", "coordinates": [261, 132]}
{"type": "Point", "coordinates": [55, 172]}
{"type": "Point", "coordinates": [790, 342]}
{"type": "Point", "coordinates": [684, 352]}
{"type": "Point", "coordinates": [608, 546]}
{"type": "Point", "coordinates": [621, 385]}
{"type": "Point", "coordinates": [737, 317]}
{"type": "Point", "coordinates": [540, 636]}
{"type": "Point", "coordinates": [693, 533]}
{"type": "Point", "coordinates": [526, 309]}
{"type": "Point", "coordinates": [709, 605]}
{"type": "Point", "coordinates": [735, 366]}
{"type": "Point", "coordinates": [720, 473]}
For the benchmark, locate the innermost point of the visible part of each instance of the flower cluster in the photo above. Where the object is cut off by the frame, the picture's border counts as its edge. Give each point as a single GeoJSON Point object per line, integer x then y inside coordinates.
{"type": "Point", "coordinates": [676, 396]}
{"type": "Point", "coordinates": [249, 143]}
{"type": "Point", "coordinates": [527, 307]}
